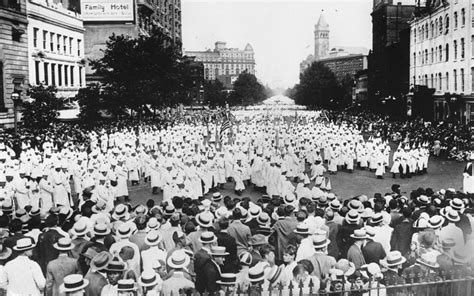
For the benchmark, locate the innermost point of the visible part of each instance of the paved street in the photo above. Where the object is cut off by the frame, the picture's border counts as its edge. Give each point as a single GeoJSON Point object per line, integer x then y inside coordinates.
{"type": "Point", "coordinates": [441, 174]}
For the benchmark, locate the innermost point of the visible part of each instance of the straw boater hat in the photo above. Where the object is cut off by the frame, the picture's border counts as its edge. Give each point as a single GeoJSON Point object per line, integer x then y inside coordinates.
{"type": "Point", "coordinates": [124, 230]}
{"type": "Point", "coordinates": [423, 199]}
{"type": "Point", "coordinates": [178, 259]}
{"type": "Point", "coordinates": [436, 221]}
{"type": "Point", "coordinates": [227, 279]}
{"type": "Point", "coordinates": [100, 261]}
{"type": "Point", "coordinates": [126, 285]}
{"type": "Point", "coordinates": [80, 228]}
{"type": "Point", "coordinates": [452, 215]}
{"type": "Point", "coordinates": [153, 238]}
{"type": "Point", "coordinates": [302, 228]}
{"type": "Point", "coordinates": [24, 244]}
{"type": "Point", "coordinates": [121, 212]}
{"type": "Point", "coordinates": [204, 219]}
{"type": "Point", "coordinates": [359, 234]}
{"type": "Point", "coordinates": [216, 196]}
{"type": "Point", "coordinates": [73, 283]}
{"type": "Point", "coordinates": [218, 251]}
{"type": "Point", "coordinates": [256, 274]}
{"type": "Point", "coordinates": [394, 258]}
{"type": "Point", "coordinates": [352, 217]}
{"type": "Point", "coordinates": [101, 229]}
{"type": "Point", "coordinates": [116, 265]}
{"type": "Point", "coordinates": [245, 258]}
{"type": "Point", "coordinates": [448, 243]}
{"type": "Point", "coordinates": [457, 204]}
{"type": "Point", "coordinates": [335, 205]}
{"type": "Point", "coordinates": [377, 218]}
{"type": "Point", "coordinates": [148, 279]}
{"type": "Point", "coordinates": [320, 241]}
{"type": "Point", "coordinates": [64, 244]}
{"type": "Point", "coordinates": [207, 237]}
{"type": "Point", "coordinates": [263, 219]}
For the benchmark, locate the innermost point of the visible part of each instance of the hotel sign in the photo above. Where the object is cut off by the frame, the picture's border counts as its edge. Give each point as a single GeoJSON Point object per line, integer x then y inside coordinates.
{"type": "Point", "coordinates": [107, 10]}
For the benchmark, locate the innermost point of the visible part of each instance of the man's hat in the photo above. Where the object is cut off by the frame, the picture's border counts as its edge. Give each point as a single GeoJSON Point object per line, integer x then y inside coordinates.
{"type": "Point", "coordinates": [377, 218]}
{"type": "Point", "coordinates": [320, 241]}
{"type": "Point", "coordinates": [100, 261]}
{"type": "Point", "coordinates": [24, 244]}
{"type": "Point", "coordinates": [263, 219]}
{"type": "Point", "coordinates": [394, 258]}
{"type": "Point", "coordinates": [207, 237]}
{"type": "Point", "coordinates": [302, 228]}
{"type": "Point", "coordinates": [352, 217]}
{"type": "Point", "coordinates": [245, 258]}
{"type": "Point", "coordinates": [452, 215]}
{"type": "Point", "coordinates": [335, 205]}
{"type": "Point", "coordinates": [424, 200]}
{"type": "Point", "coordinates": [359, 234]}
{"type": "Point", "coordinates": [73, 283]}
{"type": "Point", "coordinates": [126, 285]}
{"type": "Point", "coordinates": [116, 265]}
{"type": "Point", "coordinates": [448, 243]}
{"type": "Point", "coordinates": [121, 212]}
{"type": "Point", "coordinates": [148, 278]}
{"type": "Point", "coordinates": [436, 221]}
{"type": "Point", "coordinates": [216, 196]}
{"type": "Point", "coordinates": [256, 274]}
{"type": "Point", "coordinates": [227, 279]}
{"type": "Point", "coordinates": [205, 219]}
{"type": "Point", "coordinates": [258, 240]}
{"type": "Point", "coordinates": [101, 229]}
{"type": "Point", "coordinates": [153, 238]}
{"type": "Point", "coordinates": [457, 204]}
{"type": "Point", "coordinates": [124, 230]}
{"type": "Point", "coordinates": [79, 228]}
{"type": "Point", "coordinates": [178, 259]}
{"type": "Point", "coordinates": [64, 244]}
{"type": "Point", "coordinates": [218, 251]}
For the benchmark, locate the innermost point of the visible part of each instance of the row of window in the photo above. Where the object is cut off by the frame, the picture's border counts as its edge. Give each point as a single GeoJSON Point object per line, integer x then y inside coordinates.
{"type": "Point", "coordinates": [209, 73]}
{"type": "Point", "coordinates": [56, 42]}
{"type": "Point", "coordinates": [437, 54]}
{"type": "Point", "coordinates": [436, 28]}
{"type": "Point", "coordinates": [57, 74]}
{"type": "Point", "coordinates": [441, 83]}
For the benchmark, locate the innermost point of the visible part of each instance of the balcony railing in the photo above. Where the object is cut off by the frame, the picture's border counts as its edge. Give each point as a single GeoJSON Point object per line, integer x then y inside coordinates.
{"type": "Point", "coordinates": [10, 4]}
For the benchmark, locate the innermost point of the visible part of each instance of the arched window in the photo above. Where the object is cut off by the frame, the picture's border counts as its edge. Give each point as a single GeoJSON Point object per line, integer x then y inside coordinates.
{"type": "Point", "coordinates": [446, 20]}
{"type": "Point", "coordinates": [446, 53]}
{"type": "Point", "coordinates": [414, 59]}
{"type": "Point", "coordinates": [440, 59]}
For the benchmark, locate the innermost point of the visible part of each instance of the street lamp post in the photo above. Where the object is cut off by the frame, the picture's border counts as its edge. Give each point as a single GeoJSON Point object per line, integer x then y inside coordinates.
{"type": "Point", "coordinates": [15, 99]}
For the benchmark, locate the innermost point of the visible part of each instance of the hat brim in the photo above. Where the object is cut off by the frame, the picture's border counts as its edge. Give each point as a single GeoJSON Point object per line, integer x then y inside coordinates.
{"type": "Point", "coordinates": [358, 237]}
{"type": "Point", "coordinates": [208, 242]}
{"type": "Point", "coordinates": [154, 283]}
{"type": "Point", "coordinates": [63, 289]}
{"type": "Point", "coordinates": [57, 247]}
{"type": "Point", "coordinates": [176, 266]}
{"type": "Point", "coordinates": [15, 248]}
{"type": "Point", "coordinates": [402, 260]}
{"type": "Point", "coordinates": [126, 216]}
{"type": "Point", "coordinates": [436, 265]}
{"type": "Point", "coordinates": [226, 283]}
{"type": "Point", "coordinates": [220, 254]}
{"type": "Point", "coordinates": [299, 232]}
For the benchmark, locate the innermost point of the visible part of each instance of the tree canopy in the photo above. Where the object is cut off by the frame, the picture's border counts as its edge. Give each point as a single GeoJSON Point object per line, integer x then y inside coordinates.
{"type": "Point", "coordinates": [42, 108]}
{"type": "Point", "coordinates": [247, 90]}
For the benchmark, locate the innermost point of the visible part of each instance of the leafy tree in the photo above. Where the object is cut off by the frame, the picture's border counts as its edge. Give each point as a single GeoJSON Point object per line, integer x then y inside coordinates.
{"type": "Point", "coordinates": [91, 102]}
{"type": "Point", "coordinates": [139, 71]}
{"type": "Point", "coordinates": [42, 108]}
{"type": "Point", "coordinates": [247, 90]}
{"type": "Point", "coordinates": [214, 94]}
{"type": "Point", "coordinates": [318, 86]}
{"type": "Point", "coordinates": [346, 85]}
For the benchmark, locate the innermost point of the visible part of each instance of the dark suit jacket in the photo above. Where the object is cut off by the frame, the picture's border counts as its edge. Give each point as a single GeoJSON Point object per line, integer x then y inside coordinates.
{"type": "Point", "coordinates": [333, 248]}
{"type": "Point", "coordinates": [45, 250]}
{"type": "Point", "coordinates": [253, 225]}
{"type": "Point", "coordinates": [231, 261]}
{"type": "Point", "coordinates": [373, 252]}
{"type": "Point", "coordinates": [401, 236]}
{"type": "Point", "coordinates": [344, 240]}
{"type": "Point", "coordinates": [96, 282]}
{"type": "Point", "coordinates": [201, 259]}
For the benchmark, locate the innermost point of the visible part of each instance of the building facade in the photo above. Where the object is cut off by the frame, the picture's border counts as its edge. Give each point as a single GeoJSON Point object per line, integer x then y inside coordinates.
{"type": "Point", "coordinates": [134, 18]}
{"type": "Point", "coordinates": [389, 60]}
{"type": "Point", "coordinates": [225, 64]}
{"type": "Point", "coordinates": [13, 56]}
{"type": "Point", "coordinates": [55, 47]}
{"type": "Point", "coordinates": [441, 57]}
{"type": "Point", "coordinates": [342, 60]}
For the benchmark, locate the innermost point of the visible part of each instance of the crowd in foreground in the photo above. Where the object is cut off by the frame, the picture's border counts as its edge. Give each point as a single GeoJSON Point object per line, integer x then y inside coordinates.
{"type": "Point", "coordinates": [67, 226]}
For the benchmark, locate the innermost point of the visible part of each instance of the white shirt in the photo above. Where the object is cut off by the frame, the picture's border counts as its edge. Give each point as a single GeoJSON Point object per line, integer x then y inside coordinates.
{"type": "Point", "coordinates": [305, 250]}
{"type": "Point", "coordinates": [23, 277]}
{"type": "Point", "coordinates": [152, 254]}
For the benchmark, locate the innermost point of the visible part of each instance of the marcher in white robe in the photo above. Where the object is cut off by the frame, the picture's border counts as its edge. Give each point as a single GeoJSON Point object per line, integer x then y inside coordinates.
{"type": "Point", "coordinates": [468, 176]}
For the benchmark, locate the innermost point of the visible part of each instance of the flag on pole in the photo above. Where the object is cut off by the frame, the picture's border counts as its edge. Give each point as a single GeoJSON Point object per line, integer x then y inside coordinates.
{"type": "Point", "coordinates": [225, 126]}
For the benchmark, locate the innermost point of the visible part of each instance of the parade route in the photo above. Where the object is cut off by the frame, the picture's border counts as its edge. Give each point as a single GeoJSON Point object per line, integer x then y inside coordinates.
{"type": "Point", "coordinates": [442, 174]}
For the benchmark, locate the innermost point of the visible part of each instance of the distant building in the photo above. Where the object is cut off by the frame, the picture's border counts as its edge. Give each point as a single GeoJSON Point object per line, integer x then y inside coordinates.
{"type": "Point", "coordinates": [55, 47]}
{"type": "Point", "coordinates": [342, 60]}
{"type": "Point", "coordinates": [225, 64]}
{"type": "Point", "coordinates": [128, 17]}
{"type": "Point", "coordinates": [361, 87]}
{"type": "Point", "coordinates": [441, 58]}
{"type": "Point", "coordinates": [389, 58]}
{"type": "Point", "coordinates": [347, 65]}
{"type": "Point", "coordinates": [13, 56]}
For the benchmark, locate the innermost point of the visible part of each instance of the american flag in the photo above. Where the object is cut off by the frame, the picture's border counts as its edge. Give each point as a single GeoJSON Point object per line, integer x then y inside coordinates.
{"type": "Point", "coordinates": [225, 126]}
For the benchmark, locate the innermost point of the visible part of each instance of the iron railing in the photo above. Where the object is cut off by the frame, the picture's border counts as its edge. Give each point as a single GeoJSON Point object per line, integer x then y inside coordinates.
{"type": "Point", "coordinates": [433, 285]}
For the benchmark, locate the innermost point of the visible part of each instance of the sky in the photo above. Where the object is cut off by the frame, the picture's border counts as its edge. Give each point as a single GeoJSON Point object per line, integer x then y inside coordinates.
{"type": "Point", "coordinates": [280, 32]}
